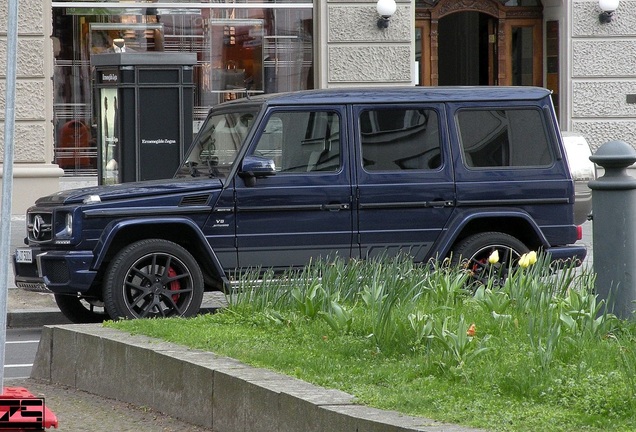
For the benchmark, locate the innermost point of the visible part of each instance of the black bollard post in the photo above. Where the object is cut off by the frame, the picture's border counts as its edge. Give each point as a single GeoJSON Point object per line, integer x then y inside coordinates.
{"type": "Point", "coordinates": [614, 229]}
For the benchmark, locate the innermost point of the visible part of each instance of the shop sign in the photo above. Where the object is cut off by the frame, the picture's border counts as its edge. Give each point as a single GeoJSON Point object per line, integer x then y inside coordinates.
{"type": "Point", "coordinates": [108, 76]}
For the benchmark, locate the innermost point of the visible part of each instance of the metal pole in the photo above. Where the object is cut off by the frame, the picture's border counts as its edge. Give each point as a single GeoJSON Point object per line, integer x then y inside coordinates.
{"type": "Point", "coordinates": [614, 207]}
{"type": "Point", "coordinates": [7, 174]}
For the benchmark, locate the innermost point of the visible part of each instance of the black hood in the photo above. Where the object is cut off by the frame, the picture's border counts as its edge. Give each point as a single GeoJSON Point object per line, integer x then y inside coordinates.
{"type": "Point", "coordinates": [130, 190]}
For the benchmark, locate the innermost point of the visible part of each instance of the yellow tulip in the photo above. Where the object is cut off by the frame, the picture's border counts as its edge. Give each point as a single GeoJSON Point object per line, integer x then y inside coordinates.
{"type": "Point", "coordinates": [494, 257]}
{"type": "Point", "coordinates": [524, 261]}
{"type": "Point", "coordinates": [532, 257]}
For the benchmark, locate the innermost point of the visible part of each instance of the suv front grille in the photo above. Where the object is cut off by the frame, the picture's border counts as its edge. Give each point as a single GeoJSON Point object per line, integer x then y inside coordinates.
{"type": "Point", "coordinates": [40, 227]}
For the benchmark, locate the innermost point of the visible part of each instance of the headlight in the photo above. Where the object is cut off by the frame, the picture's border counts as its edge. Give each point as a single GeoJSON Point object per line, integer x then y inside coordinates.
{"type": "Point", "coordinates": [63, 227]}
{"type": "Point", "coordinates": [69, 224]}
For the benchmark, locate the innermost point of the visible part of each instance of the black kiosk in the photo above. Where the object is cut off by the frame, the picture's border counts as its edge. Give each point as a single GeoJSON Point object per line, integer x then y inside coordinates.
{"type": "Point", "coordinates": [143, 108]}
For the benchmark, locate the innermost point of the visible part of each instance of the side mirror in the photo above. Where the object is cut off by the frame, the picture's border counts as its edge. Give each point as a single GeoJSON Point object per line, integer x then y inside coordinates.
{"type": "Point", "coordinates": [254, 167]}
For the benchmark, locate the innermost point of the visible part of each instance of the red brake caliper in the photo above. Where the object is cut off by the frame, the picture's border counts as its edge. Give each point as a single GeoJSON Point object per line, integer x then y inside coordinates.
{"type": "Point", "coordinates": [174, 285]}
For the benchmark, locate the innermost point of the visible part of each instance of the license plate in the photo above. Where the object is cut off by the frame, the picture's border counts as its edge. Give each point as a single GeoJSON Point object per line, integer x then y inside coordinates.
{"type": "Point", "coordinates": [24, 256]}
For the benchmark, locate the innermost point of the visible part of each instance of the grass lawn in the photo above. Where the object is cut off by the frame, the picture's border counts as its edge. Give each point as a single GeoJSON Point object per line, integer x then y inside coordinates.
{"type": "Point", "coordinates": [537, 353]}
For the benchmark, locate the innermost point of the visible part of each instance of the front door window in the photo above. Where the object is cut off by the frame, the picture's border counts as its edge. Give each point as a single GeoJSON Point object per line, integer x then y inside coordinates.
{"type": "Point", "coordinates": [524, 38]}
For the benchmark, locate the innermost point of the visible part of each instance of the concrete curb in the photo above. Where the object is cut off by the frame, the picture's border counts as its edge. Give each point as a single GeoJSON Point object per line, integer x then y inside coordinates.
{"type": "Point", "coordinates": [203, 388]}
{"type": "Point", "coordinates": [23, 318]}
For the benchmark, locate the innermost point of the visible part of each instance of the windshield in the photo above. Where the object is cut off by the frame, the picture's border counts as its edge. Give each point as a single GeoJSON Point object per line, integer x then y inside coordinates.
{"type": "Point", "coordinates": [217, 143]}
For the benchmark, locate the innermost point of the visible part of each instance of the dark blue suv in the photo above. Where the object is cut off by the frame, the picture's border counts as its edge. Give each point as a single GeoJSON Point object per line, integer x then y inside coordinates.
{"type": "Point", "coordinates": [277, 180]}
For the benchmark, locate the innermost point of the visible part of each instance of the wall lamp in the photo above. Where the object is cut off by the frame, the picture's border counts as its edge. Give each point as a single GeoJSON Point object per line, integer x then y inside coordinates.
{"type": "Point", "coordinates": [608, 7]}
{"type": "Point", "coordinates": [386, 9]}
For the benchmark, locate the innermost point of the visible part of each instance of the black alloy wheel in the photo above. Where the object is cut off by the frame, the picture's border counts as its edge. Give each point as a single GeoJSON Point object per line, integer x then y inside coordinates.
{"type": "Point", "coordinates": [153, 278]}
{"type": "Point", "coordinates": [474, 251]}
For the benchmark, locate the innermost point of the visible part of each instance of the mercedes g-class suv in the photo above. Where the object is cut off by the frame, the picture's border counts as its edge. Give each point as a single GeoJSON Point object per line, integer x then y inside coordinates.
{"type": "Point", "coordinates": [277, 180]}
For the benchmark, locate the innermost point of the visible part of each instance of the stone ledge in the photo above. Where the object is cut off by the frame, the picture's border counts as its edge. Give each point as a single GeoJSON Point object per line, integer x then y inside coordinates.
{"type": "Point", "coordinates": [203, 388]}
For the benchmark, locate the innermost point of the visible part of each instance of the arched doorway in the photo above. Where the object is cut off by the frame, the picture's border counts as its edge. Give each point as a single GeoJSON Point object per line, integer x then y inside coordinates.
{"type": "Point", "coordinates": [479, 42]}
{"type": "Point", "coordinates": [465, 54]}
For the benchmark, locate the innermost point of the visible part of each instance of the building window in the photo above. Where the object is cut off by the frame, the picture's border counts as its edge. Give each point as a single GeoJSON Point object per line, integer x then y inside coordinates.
{"type": "Point", "coordinates": [261, 49]}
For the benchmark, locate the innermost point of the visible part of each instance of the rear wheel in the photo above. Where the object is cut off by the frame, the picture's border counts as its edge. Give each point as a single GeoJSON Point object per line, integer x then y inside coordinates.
{"type": "Point", "coordinates": [81, 310]}
{"type": "Point", "coordinates": [153, 278]}
{"type": "Point", "coordinates": [474, 251]}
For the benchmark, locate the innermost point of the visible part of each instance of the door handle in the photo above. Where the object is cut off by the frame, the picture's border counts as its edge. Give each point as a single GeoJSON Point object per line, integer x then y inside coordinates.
{"type": "Point", "coordinates": [440, 203]}
{"type": "Point", "coordinates": [335, 207]}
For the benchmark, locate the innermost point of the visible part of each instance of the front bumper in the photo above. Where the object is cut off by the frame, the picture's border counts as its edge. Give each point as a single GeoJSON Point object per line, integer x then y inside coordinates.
{"type": "Point", "coordinates": [59, 272]}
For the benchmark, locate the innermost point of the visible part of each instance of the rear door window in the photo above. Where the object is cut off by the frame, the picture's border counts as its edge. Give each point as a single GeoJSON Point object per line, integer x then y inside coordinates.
{"type": "Point", "coordinates": [400, 139]}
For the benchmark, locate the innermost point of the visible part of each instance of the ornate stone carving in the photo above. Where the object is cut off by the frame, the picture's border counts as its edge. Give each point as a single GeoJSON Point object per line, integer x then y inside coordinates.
{"type": "Point", "coordinates": [489, 7]}
{"type": "Point", "coordinates": [524, 13]}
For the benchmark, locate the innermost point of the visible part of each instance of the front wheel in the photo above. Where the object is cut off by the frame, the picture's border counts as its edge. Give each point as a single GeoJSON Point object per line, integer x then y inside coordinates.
{"type": "Point", "coordinates": [153, 278]}
{"type": "Point", "coordinates": [474, 251]}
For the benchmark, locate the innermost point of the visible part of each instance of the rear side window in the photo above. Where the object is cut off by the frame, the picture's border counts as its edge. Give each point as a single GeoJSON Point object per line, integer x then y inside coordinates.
{"type": "Point", "coordinates": [400, 139]}
{"type": "Point", "coordinates": [504, 138]}
{"type": "Point", "coordinates": [302, 141]}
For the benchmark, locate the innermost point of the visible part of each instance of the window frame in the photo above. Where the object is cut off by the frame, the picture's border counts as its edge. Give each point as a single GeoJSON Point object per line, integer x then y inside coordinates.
{"type": "Point", "coordinates": [336, 110]}
{"type": "Point", "coordinates": [439, 116]}
{"type": "Point", "coordinates": [548, 138]}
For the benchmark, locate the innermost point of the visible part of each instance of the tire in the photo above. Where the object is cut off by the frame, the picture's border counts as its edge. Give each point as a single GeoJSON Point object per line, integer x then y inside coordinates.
{"type": "Point", "coordinates": [81, 310]}
{"type": "Point", "coordinates": [153, 278]}
{"type": "Point", "coordinates": [473, 253]}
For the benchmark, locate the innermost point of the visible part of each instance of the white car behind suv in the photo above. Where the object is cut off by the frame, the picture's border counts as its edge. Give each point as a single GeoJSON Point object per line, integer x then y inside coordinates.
{"type": "Point", "coordinates": [583, 170]}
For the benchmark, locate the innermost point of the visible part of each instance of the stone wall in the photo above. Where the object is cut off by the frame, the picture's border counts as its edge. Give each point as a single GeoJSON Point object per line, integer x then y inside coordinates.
{"type": "Point", "coordinates": [603, 75]}
{"type": "Point", "coordinates": [34, 174]}
{"type": "Point", "coordinates": [352, 51]}
{"type": "Point", "coordinates": [205, 389]}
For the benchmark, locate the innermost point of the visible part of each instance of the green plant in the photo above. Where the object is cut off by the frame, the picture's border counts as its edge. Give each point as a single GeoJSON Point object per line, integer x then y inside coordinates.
{"type": "Point", "coordinates": [339, 317]}
{"type": "Point", "coordinates": [458, 345]}
{"type": "Point", "coordinates": [583, 315]}
{"type": "Point", "coordinates": [308, 299]}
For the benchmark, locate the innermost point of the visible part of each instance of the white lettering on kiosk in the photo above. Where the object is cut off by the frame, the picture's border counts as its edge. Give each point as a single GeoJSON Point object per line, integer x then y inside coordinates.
{"type": "Point", "coordinates": [158, 141]}
{"type": "Point", "coordinates": [109, 78]}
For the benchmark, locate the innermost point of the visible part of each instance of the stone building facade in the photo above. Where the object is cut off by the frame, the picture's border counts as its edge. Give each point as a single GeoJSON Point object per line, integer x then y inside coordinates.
{"type": "Point", "coordinates": [602, 73]}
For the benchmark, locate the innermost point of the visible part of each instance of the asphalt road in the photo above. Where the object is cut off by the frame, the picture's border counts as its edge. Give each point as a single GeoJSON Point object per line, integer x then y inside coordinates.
{"type": "Point", "coordinates": [19, 351]}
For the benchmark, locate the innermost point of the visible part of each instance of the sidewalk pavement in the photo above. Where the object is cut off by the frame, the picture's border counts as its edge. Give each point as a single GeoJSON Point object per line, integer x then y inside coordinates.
{"type": "Point", "coordinates": [80, 411]}
{"type": "Point", "coordinates": [33, 309]}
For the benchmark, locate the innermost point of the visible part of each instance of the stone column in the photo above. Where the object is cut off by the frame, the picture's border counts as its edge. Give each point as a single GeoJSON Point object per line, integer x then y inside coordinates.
{"type": "Point", "coordinates": [34, 173]}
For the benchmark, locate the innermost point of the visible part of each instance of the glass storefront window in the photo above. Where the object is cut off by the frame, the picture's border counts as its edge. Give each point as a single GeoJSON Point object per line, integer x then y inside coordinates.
{"type": "Point", "coordinates": [239, 49]}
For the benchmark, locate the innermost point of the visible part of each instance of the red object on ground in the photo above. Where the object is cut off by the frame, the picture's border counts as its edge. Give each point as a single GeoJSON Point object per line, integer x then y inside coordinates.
{"type": "Point", "coordinates": [21, 411]}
